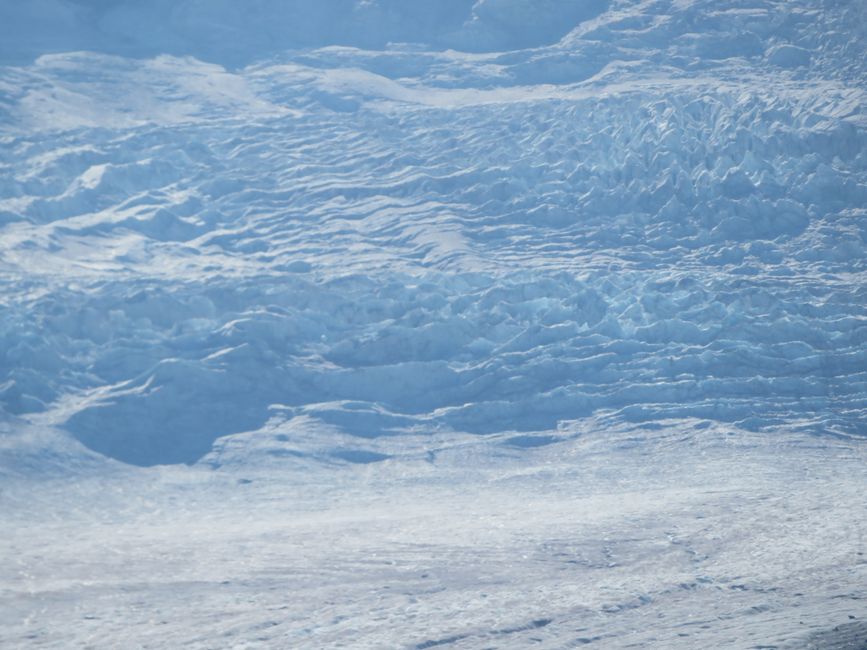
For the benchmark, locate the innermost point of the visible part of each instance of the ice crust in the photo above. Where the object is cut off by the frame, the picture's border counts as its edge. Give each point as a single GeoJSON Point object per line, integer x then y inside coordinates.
{"type": "Point", "coordinates": [187, 248]}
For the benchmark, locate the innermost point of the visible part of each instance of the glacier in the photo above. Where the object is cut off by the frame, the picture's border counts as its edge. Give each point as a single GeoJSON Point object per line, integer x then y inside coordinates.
{"type": "Point", "coordinates": [473, 323]}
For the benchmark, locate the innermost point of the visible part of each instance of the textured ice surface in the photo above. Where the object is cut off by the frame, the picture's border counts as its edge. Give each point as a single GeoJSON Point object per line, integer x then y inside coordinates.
{"type": "Point", "coordinates": [477, 259]}
{"type": "Point", "coordinates": [390, 246]}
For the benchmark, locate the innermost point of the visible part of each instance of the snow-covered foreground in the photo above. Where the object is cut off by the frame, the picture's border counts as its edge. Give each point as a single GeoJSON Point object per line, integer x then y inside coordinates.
{"type": "Point", "coordinates": [686, 538]}
{"type": "Point", "coordinates": [462, 324]}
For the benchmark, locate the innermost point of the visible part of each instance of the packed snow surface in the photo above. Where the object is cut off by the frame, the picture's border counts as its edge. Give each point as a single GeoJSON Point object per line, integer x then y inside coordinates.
{"type": "Point", "coordinates": [415, 324]}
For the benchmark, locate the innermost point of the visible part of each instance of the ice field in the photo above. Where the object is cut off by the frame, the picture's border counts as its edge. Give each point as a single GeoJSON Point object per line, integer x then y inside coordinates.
{"type": "Point", "coordinates": [458, 324]}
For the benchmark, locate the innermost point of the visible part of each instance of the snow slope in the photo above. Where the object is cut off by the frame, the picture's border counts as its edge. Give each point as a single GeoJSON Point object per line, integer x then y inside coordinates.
{"type": "Point", "coordinates": [679, 540]}
{"type": "Point", "coordinates": [236, 34]}
{"type": "Point", "coordinates": [390, 247]}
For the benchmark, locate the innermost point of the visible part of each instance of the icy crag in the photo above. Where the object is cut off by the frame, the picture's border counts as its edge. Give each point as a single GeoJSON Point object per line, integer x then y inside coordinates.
{"type": "Point", "coordinates": [479, 243]}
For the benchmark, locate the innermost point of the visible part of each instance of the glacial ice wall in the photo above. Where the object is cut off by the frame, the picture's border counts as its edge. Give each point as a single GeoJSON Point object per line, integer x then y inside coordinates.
{"type": "Point", "coordinates": [653, 211]}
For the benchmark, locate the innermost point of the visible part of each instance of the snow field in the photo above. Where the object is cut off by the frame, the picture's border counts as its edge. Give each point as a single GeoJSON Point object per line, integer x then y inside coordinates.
{"type": "Point", "coordinates": [617, 539]}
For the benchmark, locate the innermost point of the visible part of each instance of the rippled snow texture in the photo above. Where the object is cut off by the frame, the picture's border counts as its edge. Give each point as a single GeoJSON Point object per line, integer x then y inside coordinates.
{"type": "Point", "coordinates": [399, 241]}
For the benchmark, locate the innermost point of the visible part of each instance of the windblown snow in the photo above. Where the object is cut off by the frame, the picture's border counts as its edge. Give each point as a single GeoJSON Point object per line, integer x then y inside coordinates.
{"type": "Point", "coordinates": [367, 323]}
